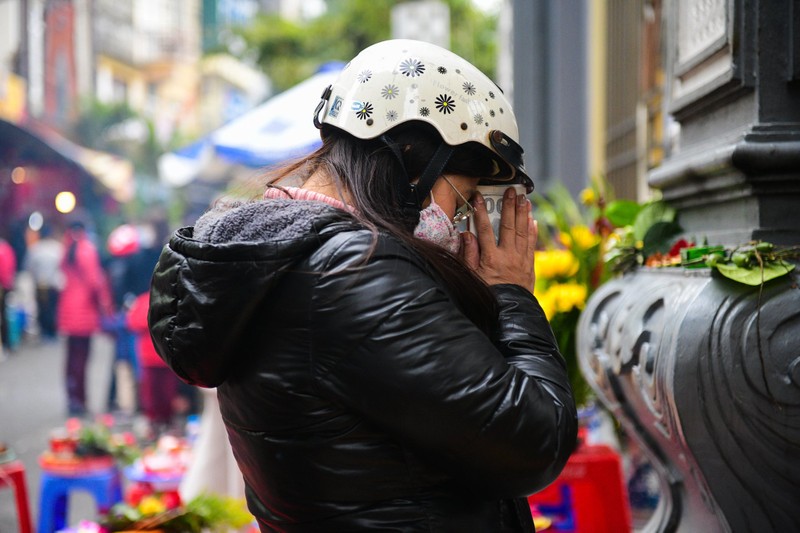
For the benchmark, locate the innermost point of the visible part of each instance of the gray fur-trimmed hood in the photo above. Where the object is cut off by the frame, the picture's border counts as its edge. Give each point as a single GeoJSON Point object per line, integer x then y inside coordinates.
{"type": "Point", "coordinates": [210, 279]}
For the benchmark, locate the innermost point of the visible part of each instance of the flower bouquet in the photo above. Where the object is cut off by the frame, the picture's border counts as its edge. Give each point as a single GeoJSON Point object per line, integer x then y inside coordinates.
{"type": "Point", "coordinates": [646, 239]}
{"type": "Point", "coordinates": [569, 265]}
{"type": "Point", "coordinates": [206, 513]}
{"type": "Point", "coordinates": [80, 446]}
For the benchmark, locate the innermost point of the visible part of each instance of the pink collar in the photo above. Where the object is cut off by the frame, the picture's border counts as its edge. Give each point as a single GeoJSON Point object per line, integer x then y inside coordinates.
{"type": "Point", "coordinates": [295, 193]}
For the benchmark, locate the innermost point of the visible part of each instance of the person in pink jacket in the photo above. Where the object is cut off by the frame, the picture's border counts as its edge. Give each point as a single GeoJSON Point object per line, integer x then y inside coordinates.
{"type": "Point", "coordinates": [158, 386]}
{"type": "Point", "coordinates": [8, 267]}
{"type": "Point", "coordinates": [84, 299]}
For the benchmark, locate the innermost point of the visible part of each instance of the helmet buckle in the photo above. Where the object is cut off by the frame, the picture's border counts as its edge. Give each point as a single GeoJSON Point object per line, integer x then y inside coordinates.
{"type": "Point", "coordinates": [323, 100]}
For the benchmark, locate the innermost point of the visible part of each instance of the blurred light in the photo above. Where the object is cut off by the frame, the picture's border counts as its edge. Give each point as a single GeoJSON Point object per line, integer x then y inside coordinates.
{"type": "Point", "coordinates": [35, 221]}
{"type": "Point", "coordinates": [18, 175]}
{"type": "Point", "coordinates": [65, 202]}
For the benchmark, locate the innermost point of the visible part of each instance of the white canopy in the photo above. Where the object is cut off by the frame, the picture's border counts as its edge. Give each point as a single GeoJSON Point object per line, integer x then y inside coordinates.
{"type": "Point", "coordinates": [278, 130]}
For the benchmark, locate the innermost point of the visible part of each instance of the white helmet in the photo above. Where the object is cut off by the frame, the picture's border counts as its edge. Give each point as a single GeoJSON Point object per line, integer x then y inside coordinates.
{"type": "Point", "coordinates": [401, 80]}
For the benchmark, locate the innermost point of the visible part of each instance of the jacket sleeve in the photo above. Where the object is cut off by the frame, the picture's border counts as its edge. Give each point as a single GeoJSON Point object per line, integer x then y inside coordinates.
{"type": "Point", "coordinates": [390, 344]}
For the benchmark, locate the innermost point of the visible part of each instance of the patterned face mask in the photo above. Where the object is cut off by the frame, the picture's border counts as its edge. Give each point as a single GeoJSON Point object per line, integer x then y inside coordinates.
{"type": "Point", "coordinates": [436, 227]}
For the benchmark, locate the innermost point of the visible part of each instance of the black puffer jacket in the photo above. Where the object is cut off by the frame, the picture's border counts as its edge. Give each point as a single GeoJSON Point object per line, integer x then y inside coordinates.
{"type": "Point", "coordinates": [355, 394]}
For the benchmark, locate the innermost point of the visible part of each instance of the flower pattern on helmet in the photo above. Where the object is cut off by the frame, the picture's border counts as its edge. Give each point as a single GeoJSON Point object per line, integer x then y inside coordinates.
{"type": "Point", "coordinates": [390, 92]}
{"type": "Point", "coordinates": [402, 80]}
{"type": "Point", "coordinates": [412, 68]}
{"type": "Point", "coordinates": [365, 112]}
{"type": "Point", "coordinates": [445, 104]}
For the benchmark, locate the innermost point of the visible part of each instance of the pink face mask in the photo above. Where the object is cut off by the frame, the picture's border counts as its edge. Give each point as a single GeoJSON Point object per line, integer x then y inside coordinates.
{"type": "Point", "coordinates": [436, 227]}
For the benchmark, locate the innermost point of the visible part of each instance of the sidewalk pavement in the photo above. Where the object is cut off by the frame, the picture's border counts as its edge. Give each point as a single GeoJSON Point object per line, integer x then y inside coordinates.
{"type": "Point", "coordinates": [33, 403]}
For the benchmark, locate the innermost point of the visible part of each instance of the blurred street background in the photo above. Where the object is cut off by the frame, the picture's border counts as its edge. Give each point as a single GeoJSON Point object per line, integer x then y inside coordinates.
{"type": "Point", "coordinates": [33, 405]}
{"type": "Point", "coordinates": [123, 120]}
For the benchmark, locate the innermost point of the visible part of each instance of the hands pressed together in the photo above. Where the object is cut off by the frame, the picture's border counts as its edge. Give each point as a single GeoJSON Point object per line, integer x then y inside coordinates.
{"type": "Point", "coordinates": [510, 258]}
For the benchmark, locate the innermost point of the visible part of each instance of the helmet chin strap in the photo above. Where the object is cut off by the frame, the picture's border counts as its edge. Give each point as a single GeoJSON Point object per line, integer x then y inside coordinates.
{"type": "Point", "coordinates": [413, 194]}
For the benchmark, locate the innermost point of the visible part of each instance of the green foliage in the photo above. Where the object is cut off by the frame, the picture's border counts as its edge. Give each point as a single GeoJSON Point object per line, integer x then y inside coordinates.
{"type": "Point", "coordinates": [649, 215]}
{"type": "Point", "coordinates": [752, 264]}
{"type": "Point", "coordinates": [651, 230]}
{"type": "Point", "coordinates": [96, 120]}
{"type": "Point", "coordinates": [569, 265]}
{"type": "Point", "coordinates": [659, 236]}
{"type": "Point", "coordinates": [565, 325]}
{"type": "Point", "coordinates": [291, 51]}
{"type": "Point", "coordinates": [206, 513]}
{"type": "Point", "coordinates": [98, 440]}
{"type": "Point", "coordinates": [219, 513]}
{"type": "Point", "coordinates": [753, 275]}
{"type": "Point", "coordinates": [648, 239]}
{"type": "Point", "coordinates": [622, 212]}
{"type": "Point", "coordinates": [98, 126]}
{"type": "Point", "coordinates": [558, 209]}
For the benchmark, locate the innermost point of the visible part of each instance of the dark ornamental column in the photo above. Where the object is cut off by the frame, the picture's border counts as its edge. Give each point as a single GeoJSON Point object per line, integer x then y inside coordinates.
{"type": "Point", "coordinates": [703, 371]}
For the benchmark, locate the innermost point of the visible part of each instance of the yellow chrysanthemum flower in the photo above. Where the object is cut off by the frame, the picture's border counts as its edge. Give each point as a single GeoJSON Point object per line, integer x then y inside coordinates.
{"type": "Point", "coordinates": [567, 296]}
{"type": "Point", "coordinates": [552, 264]}
{"type": "Point", "coordinates": [151, 505]}
{"type": "Point", "coordinates": [565, 239]}
{"type": "Point", "coordinates": [546, 301]}
{"type": "Point", "coordinates": [584, 237]}
{"type": "Point", "coordinates": [588, 197]}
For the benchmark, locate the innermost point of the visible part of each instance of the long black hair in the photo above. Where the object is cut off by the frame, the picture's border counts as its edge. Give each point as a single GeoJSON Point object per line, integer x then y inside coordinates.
{"type": "Point", "coordinates": [369, 172]}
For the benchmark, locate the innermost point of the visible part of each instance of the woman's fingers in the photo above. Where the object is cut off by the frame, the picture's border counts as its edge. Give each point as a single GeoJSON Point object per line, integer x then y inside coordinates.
{"type": "Point", "coordinates": [510, 261]}
{"type": "Point", "coordinates": [470, 251]}
{"type": "Point", "coordinates": [483, 224]}
{"type": "Point", "coordinates": [508, 218]}
{"type": "Point", "coordinates": [522, 224]}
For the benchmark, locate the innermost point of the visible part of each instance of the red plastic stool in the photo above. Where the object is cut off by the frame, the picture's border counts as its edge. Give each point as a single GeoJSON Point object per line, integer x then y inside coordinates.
{"type": "Point", "coordinates": [12, 475]}
{"type": "Point", "coordinates": [589, 496]}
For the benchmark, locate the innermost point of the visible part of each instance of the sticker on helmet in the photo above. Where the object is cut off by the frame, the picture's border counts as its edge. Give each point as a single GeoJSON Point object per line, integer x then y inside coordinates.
{"type": "Point", "coordinates": [336, 106]}
{"type": "Point", "coordinates": [363, 109]}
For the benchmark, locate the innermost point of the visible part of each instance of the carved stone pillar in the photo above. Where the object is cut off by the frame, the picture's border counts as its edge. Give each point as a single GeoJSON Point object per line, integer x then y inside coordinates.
{"type": "Point", "coordinates": [702, 371]}
{"type": "Point", "coordinates": [708, 380]}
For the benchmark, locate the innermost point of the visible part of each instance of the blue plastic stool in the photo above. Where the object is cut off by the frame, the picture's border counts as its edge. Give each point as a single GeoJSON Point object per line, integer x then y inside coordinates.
{"type": "Point", "coordinates": [103, 485]}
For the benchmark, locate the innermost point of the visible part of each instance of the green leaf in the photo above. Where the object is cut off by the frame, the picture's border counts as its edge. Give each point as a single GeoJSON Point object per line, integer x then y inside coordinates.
{"type": "Point", "coordinates": [753, 276]}
{"type": "Point", "coordinates": [658, 237]}
{"type": "Point", "coordinates": [622, 212]}
{"type": "Point", "coordinates": [649, 215]}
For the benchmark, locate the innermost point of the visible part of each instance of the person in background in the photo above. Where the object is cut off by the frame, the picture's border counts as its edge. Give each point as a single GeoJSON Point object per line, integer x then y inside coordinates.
{"type": "Point", "coordinates": [376, 369]}
{"type": "Point", "coordinates": [158, 385]}
{"type": "Point", "coordinates": [43, 262]}
{"type": "Point", "coordinates": [8, 269]}
{"type": "Point", "coordinates": [84, 300]}
{"type": "Point", "coordinates": [123, 244]}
